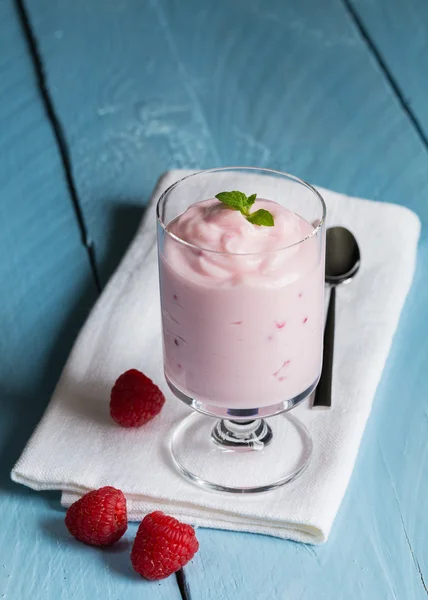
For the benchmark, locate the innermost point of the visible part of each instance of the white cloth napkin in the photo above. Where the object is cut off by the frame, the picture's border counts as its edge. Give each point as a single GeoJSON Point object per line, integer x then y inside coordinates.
{"type": "Point", "coordinates": [77, 447]}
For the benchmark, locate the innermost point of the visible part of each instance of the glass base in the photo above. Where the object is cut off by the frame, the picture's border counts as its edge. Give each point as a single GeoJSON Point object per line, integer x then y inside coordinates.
{"type": "Point", "coordinates": [241, 457]}
{"type": "Point", "coordinates": [241, 414]}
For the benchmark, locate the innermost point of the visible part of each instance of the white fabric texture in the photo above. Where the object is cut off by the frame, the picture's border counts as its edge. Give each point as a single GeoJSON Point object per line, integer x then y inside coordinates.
{"type": "Point", "coordinates": [77, 447]}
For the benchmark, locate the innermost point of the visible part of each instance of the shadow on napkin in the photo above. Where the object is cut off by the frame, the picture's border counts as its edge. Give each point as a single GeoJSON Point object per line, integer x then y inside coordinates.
{"type": "Point", "coordinates": [89, 399]}
{"type": "Point", "coordinates": [124, 222]}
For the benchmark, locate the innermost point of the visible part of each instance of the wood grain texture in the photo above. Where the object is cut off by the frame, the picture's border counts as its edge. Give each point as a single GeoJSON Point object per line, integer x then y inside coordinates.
{"type": "Point", "coordinates": [145, 86]}
{"type": "Point", "coordinates": [400, 31]}
{"type": "Point", "coordinates": [46, 292]}
{"type": "Point", "coordinates": [127, 111]}
{"type": "Point", "coordinates": [287, 85]}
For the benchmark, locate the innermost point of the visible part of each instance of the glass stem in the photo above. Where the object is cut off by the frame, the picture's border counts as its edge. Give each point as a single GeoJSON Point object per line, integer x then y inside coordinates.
{"type": "Point", "coordinates": [241, 435]}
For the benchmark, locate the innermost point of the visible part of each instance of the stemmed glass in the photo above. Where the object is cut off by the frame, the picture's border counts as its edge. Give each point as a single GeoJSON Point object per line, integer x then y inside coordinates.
{"type": "Point", "coordinates": [242, 336]}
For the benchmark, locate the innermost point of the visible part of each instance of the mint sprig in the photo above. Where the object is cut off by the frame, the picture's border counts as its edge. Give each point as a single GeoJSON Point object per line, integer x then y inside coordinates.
{"type": "Point", "coordinates": [243, 203]}
{"type": "Point", "coordinates": [261, 217]}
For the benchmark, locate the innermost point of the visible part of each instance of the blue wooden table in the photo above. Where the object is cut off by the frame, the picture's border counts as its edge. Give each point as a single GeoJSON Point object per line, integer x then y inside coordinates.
{"type": "Point", "coordinates": [97, 99]}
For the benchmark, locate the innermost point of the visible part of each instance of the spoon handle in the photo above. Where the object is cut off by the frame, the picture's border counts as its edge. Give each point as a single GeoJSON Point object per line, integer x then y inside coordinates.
{"type": "Point", "coordinates": [323, 391]}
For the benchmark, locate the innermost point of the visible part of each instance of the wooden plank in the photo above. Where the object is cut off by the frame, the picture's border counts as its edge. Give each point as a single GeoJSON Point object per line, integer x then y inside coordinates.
{"type": "Point", "coordinates": [399, 30]}
{"type": "Point", "coordinates": [46, 291]}
{"type": "Point", "coordinates": [287, 85]}
{"type": "Point", "coordinates": [176, 87]}
{"type": "Point", "coordinates": [126, 123]}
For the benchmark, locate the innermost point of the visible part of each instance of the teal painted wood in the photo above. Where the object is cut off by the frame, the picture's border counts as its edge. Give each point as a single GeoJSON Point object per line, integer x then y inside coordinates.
{"type": "Point", "coordinates": [46, 291]}
{"type": "Point", "coordinates": [176, 86]}
{"type": "Point", "coordinates": [127, 111]}
{"type": "Point", "coordinates": [400, 30]}
{"type": "Point", "coordinates": [288, 85]}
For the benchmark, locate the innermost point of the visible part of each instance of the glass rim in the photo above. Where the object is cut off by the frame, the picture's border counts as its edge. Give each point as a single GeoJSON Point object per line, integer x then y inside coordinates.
{"type": "Point", "coordinates": [220, 169]}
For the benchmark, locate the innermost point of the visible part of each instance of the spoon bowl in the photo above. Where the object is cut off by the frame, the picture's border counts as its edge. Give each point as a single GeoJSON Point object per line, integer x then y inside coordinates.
{"type": "Point", "coordinates": [342, 256]}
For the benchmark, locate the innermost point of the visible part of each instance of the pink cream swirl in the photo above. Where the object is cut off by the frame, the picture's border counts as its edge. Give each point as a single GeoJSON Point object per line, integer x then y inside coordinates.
{"type": "Point", "coordinates": [230, 249]}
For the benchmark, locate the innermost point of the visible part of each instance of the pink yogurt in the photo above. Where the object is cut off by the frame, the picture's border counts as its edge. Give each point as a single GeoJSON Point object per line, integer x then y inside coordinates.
{"type": "Point", "coordinates": [243, 312]}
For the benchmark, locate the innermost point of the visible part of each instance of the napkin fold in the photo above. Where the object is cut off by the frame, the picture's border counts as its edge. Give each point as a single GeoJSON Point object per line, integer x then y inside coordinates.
{"type": "Point", "coordinates": [77, 447]}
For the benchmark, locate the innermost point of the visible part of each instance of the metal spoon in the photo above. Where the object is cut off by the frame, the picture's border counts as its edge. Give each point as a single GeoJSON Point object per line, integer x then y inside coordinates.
{"type": "Point", "coordinates": [341, 264]}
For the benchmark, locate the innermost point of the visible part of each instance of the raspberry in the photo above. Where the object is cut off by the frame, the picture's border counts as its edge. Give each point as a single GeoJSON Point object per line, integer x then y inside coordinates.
{"type": "Point", "coordinates": [162, 546]}
{"type": "Point", "coordinates": [98, 518]}
{"type": "Point", "coordinates": [135, 399]}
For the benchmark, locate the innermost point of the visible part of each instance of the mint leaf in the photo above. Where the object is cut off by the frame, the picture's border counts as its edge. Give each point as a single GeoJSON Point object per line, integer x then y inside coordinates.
{"type": "Point", "coordinates": [236, 200]}
{"type": "Point", "coordinates": [261, 217]}
{"type": "Point", "coordinates": [239, 201]}
{"type": "Point", "coordinates": [251, 199]}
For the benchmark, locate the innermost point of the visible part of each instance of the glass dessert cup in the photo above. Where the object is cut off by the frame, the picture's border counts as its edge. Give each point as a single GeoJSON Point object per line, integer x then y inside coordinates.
{"type": "Point", "coordinates": [242, 330]}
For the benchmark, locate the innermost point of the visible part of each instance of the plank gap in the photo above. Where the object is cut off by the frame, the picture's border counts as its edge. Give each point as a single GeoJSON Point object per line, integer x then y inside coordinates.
{"type": "Point", "coordinates": [183, 584]}
{"type": "Point", "coordinates": [58, 132]}
{"type": "Point", "coordinates": [363, 31]}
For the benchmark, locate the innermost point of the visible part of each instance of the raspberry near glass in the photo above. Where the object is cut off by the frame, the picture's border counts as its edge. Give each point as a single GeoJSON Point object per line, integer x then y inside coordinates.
{"type": "Point", "coordinates": [242, 297]}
